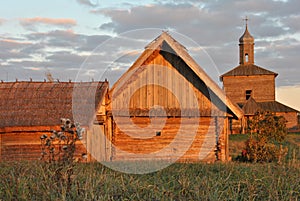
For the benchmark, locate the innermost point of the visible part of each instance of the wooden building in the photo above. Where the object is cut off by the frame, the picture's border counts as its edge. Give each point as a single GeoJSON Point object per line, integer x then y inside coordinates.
{"type": "Point", "coordinates": [166, 85]}
{"type": "Point", "coordinates": [165, 107]}
{"type": "Point", "coordinates": [31, 109]}
{"type": "Point", "coordinates": [253, 88]}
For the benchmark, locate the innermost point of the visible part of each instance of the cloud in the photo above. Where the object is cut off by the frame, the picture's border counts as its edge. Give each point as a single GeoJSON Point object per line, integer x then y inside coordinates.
{"type": "Point", "coordinates": [31, 23]}
{"type": "Point", "coordinates": [68, 39]}
{"type": "Point", "coordinates": [61, 51]}
{"type": "Point", "coordinates": [12, 49]}
{"type": "Point", "coordinates": [148, 17]}
{"type": "Point", "coordinates": [2, 21]}
{"type": "Point", "coordinates": [217, 26]}
{"type": "Point", "coordinates": [91, 3]}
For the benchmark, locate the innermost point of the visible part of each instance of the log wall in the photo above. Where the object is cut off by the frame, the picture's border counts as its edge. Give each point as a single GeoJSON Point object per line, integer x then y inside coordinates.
{"type": "Point", "coordinates": [262, 86]}
{"type": "Point", "coordinates": [23, 143]}
{"type": "Point", "coordinates": [175, 136]}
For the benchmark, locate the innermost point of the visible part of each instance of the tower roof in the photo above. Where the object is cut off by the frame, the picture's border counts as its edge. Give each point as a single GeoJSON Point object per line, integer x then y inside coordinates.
{"type": "Point", "coordinates": [246, 37]}
{"type": "Point", "coordinates": [248, 70]}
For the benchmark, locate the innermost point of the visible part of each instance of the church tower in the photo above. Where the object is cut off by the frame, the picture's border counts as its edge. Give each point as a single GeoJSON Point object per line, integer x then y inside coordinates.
{"type": "Point", "coordinates": [247, 79]}
{"type": "Point", "coordinates": [246, 47]}
{"type": "Point", "coordinates": [253, 87]}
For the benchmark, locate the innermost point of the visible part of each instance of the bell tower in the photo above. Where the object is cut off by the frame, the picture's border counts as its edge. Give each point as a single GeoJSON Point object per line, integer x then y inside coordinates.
{"type": "Point", "coordinates": [246, 47]}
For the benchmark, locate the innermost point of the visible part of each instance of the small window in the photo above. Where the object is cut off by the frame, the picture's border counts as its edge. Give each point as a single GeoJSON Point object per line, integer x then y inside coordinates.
{"type": "Point", "coordinates": [158, 133]}
{"type": "Point", "coordinates": [248, 94]}
{"type": "Point", "coordinates": [246, 58]}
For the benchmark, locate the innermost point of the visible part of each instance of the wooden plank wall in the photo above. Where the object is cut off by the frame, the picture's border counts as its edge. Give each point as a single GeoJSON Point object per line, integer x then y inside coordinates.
{"type": "Point", "coordinates": [98, 144]}
{"type": "Point", "coordinates": [158, 83]}
{"type": "Point", "coordinates": [202, 148]}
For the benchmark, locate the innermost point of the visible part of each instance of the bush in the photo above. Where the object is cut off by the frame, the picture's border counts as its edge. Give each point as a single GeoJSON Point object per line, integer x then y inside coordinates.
{"type": "Point", "coordinates": [266, 132]}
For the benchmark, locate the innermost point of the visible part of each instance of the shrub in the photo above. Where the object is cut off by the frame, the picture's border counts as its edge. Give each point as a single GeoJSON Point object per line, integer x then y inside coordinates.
{"type": "Point", "coordinates": [266, 132]}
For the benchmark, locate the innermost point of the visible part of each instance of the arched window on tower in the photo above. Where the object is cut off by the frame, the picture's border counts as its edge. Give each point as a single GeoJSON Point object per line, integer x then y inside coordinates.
{"type": "Point", "coordinates": [246, 57]}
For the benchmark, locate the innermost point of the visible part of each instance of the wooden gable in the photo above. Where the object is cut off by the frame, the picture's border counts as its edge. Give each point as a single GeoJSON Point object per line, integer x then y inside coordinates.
{"type": "Point", "coordinates": [167, 76]}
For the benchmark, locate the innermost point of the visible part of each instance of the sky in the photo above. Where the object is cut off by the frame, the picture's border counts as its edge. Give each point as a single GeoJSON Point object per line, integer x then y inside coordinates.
{"type": "Point", "coordinates": [95, 39]}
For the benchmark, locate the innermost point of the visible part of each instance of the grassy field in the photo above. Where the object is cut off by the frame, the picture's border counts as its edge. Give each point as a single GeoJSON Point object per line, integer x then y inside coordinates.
{"type": "Point", "coordinates": [219, 181]}
{"type": "Point", "coordinates": [292, 141]}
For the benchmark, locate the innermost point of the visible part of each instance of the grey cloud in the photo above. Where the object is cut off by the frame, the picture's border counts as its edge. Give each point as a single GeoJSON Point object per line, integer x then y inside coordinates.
{"type": "Point", "coordinates": [43, 46]}
{"type": "Point", "coordinates": [91, 3]}
{"type": "Point", "coordinates": [69, 39]}
{"type": "Point", "coordinates": [65, 59]}
{"type": "Point", "coordinates": [149, 17]}
{"type": "Point", "coordinates": [217, 25]}
{"type": "Point", "coordinates": [12, 49]}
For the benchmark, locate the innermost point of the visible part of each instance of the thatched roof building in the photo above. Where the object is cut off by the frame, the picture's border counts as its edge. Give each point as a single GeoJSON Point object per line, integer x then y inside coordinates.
{"type": "Point", "coordinates": [44, 103]}
{"type": "Point", "coordinates": [30, 109]}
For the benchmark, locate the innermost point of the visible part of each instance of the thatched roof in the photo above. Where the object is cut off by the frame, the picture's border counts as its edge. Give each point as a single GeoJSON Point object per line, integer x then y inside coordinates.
{"type": "Point", "coordinates": [165, 40]}
{"type": "Point", "coordinates": [251, 107]}
{"type": "Point", "coordinates": [44, 103]}
{"type": "Point", "coordinates": [247, 70]}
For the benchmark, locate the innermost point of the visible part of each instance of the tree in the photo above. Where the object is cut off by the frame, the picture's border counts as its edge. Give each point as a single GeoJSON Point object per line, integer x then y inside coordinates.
{"type": "Point", "coordinates": [267, 131]}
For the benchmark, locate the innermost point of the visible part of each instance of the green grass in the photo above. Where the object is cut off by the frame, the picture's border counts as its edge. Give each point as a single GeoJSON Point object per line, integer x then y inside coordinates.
{"type": "Point", "coordinates": [197, 181]}
{"type": "Point", "coordinates": [292, 142]}
{"type": "Point", "coordinates": [231, 181]}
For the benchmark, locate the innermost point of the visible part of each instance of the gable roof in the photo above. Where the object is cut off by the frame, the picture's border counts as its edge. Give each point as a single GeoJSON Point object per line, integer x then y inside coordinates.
{"type": "Point", "coordinates": [183, 54]}
{"type": "Point", "coordinates": [247, 70]}
{"type": "Point", "coordinates": [251, 107]}
{"type": "Point", "coordinates": [276, 107]}
{"type": "Point", "coordinates": [44, 103]}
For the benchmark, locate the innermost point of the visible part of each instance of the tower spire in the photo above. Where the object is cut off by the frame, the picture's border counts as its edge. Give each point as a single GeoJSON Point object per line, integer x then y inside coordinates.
{"type": "Point", "coordinates": [246, 46]}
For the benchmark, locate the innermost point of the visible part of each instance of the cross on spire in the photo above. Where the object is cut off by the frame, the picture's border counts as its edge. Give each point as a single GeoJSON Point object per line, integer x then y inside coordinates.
{"type": "Point", "coordinates": [246, 20]}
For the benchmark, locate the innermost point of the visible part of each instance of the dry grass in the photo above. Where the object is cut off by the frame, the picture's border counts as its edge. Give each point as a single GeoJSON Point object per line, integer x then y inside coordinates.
{"type": "Point", "coordinates": [232, 181]}
{"type": "Point", "coordinates": [219, 181]}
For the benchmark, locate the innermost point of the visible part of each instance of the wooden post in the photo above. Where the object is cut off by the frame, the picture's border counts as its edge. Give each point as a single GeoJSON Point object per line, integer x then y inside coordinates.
{"type": "Point", "coordinates": [109, 133]}
{"type": "Point", "coordinates": [88, 139]}
{"type": "Point", "coordinates": [0, 147]}
{"type": "Point", "coordinates": [226, 136]}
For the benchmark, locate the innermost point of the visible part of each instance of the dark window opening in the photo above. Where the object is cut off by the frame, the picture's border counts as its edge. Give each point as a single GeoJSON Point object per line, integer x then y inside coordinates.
{"type": "Point", "coordinates": [158, 133]}
{"type": "Point", "coordinates": [246, 57]}
{"type": "Point", "coordinates": [248, 94]}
